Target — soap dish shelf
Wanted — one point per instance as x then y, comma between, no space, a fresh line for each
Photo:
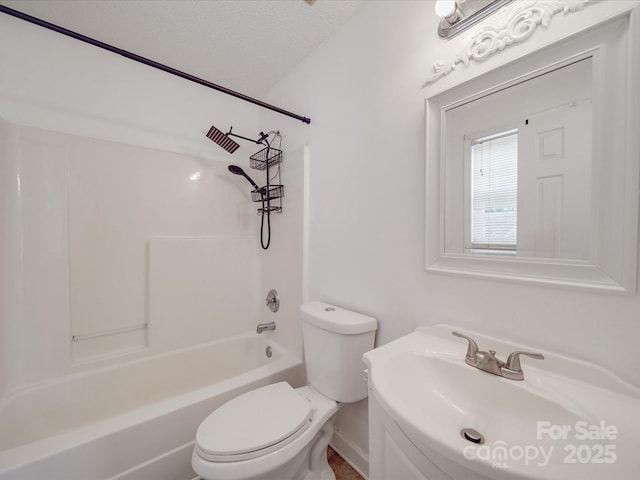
270,192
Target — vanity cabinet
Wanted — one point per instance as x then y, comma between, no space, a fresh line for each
393,455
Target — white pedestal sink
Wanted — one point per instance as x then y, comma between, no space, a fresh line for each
566,420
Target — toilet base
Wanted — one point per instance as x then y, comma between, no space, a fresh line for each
319,468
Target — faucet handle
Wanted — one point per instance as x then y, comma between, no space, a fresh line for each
472,348
513,361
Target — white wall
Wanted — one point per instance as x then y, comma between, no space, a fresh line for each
362,91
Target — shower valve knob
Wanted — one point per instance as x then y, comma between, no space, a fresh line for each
272,301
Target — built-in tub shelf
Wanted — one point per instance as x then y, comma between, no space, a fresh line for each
86,336
89,347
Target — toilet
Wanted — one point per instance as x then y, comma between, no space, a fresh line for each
278,432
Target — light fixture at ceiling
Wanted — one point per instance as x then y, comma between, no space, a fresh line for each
458,15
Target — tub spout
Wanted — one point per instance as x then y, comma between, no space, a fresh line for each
265,326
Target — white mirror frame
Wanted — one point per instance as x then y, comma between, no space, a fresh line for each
614,46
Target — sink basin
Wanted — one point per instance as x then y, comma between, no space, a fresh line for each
465,397
568,419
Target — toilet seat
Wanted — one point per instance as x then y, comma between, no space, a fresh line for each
254,424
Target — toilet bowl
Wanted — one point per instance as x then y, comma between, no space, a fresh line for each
268,436
278,432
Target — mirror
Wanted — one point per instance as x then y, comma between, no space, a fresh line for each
532,169
519,160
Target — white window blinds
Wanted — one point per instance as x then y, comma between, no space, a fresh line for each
494,191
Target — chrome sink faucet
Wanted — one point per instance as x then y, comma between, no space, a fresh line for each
488,362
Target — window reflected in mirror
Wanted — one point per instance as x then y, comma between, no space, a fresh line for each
493,196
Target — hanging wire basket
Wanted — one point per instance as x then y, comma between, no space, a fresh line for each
269,210
267,156
263,194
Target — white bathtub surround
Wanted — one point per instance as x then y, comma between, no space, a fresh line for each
103,162
64,428
283,266
109,265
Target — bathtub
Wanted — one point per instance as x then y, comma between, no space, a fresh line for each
135,420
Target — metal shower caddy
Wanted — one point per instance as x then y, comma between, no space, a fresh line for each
263,160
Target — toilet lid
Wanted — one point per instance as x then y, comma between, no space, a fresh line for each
252,422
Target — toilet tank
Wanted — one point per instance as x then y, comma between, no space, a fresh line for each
334,341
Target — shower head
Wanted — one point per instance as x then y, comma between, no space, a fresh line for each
222,139
236,170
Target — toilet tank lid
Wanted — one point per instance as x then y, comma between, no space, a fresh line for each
336,319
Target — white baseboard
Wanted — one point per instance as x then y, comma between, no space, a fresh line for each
351,453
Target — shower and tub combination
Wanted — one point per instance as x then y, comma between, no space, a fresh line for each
133,414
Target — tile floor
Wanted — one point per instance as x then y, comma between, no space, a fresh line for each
341,468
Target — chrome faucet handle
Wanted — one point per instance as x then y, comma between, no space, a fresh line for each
472,349
512,368
513,360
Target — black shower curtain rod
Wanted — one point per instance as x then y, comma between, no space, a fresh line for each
149,62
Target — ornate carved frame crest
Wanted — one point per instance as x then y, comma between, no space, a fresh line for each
511,24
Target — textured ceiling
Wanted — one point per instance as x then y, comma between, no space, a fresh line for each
244,45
